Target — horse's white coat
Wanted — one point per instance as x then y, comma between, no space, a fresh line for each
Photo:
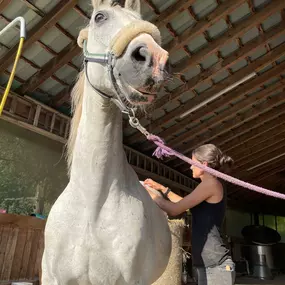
104,229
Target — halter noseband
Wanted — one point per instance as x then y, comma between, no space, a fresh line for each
117,47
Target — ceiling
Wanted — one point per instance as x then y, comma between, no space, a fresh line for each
213,44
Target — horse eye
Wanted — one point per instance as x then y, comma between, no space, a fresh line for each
100,17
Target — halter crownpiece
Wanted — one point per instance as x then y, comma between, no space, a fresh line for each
117,47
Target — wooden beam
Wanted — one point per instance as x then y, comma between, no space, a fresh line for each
48,21
50,68
33,128
230,35
225,100
239,75
249,119
172,11
271,127
242,149
60,98
261,176
190,34
248,150
4,4
268,152
252,175
206,75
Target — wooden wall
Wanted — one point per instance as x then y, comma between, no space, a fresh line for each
21,247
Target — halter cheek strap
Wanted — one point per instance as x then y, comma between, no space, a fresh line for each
117,47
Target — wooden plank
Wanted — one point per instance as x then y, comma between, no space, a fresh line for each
219,118
61,97
4,4
256,66
13,105
33,255
22,221
224,100
52,123
250,118
19,253
37,268
32,128
205,75
50,68
256,142
6,231
250,152
206,110
219,13
252,135
47,22
27,253
37,115
48,108
9,254
230,35
224,116
259,157
171,12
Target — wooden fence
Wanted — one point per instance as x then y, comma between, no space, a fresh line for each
21,248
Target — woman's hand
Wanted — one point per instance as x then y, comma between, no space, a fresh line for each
152,192
149,182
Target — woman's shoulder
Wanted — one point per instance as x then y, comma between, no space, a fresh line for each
213,184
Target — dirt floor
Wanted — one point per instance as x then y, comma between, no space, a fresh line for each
278,280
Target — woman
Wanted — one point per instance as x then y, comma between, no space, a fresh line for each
207,203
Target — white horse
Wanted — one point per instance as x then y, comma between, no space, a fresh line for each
104,229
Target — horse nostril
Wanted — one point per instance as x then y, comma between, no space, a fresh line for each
140,54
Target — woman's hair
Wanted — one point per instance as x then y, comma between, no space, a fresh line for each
214,157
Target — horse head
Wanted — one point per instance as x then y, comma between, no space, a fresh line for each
123,53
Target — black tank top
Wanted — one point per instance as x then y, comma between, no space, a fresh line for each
208,249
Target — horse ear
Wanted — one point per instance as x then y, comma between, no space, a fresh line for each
83,35
134,5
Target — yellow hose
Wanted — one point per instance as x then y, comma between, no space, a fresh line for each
7,90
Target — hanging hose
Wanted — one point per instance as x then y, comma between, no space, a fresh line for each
20,47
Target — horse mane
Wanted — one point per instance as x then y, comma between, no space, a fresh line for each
77,96
76,110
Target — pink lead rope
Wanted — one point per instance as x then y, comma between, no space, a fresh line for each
165,151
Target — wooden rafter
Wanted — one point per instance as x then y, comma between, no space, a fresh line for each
269,152
172,11
222,11
50,68
231,35
4,4
253,144
48,21
251,149
251,117
224,100
206,75
215,45
222,65
252,136
258,176
60,98
254,175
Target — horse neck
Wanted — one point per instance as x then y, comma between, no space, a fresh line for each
98,146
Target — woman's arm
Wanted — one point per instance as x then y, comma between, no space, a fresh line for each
201,193
170,195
